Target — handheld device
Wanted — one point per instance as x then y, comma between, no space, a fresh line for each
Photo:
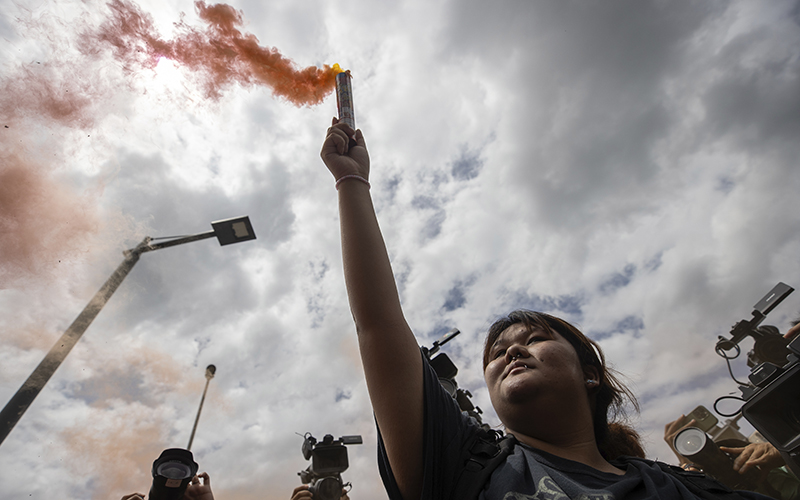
344,98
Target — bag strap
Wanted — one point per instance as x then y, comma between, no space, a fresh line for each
480,456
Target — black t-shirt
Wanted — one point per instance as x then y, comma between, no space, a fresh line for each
528,473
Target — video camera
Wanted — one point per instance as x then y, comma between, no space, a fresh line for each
328,461
172,473
697,446
772,395
447,371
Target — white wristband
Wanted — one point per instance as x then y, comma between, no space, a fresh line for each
351,176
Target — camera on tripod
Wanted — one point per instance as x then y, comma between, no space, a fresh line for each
447,371
172,472
328,461
772,395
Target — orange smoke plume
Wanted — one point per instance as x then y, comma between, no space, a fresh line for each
41,221
220,53
44,219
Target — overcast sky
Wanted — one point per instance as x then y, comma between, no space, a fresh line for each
629,166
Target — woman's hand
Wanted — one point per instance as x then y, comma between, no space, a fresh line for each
345,151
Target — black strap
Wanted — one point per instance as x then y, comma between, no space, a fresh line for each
480,456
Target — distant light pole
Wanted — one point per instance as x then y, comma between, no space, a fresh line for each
227,231
210,371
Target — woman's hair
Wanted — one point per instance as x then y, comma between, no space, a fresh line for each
614,438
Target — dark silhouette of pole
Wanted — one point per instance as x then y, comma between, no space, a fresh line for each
20,402
210,371
227,231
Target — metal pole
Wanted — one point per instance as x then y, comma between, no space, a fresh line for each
20,402
179,241
210,371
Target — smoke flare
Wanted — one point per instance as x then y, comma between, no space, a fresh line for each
44,220
220,54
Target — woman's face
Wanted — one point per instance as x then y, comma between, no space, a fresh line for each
532,366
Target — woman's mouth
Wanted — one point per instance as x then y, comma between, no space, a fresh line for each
517,367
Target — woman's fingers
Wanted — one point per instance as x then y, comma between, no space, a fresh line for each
360,139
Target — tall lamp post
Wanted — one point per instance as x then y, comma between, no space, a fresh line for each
210,371
227,231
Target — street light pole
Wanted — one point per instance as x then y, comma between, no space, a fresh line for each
227,231
210,371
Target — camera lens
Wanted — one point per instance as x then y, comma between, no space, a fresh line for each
449,386
771,348
690,441
174,470
328,488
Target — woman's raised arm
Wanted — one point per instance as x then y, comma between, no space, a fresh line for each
389,352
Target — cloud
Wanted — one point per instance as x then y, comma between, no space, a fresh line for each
628,166
467,166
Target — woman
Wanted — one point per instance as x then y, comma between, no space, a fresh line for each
548,383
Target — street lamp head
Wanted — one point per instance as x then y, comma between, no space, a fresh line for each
234,230
210,371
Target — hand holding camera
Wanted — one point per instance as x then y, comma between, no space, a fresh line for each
302,493
328,460
175,478
762,455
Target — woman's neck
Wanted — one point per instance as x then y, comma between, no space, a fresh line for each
581,449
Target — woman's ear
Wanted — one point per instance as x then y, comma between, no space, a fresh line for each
591,376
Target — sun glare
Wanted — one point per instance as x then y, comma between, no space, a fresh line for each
167,73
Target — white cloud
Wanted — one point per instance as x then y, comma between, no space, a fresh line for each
628,165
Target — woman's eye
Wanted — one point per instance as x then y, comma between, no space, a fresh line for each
499,353
534,339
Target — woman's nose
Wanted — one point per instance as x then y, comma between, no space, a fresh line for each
516,351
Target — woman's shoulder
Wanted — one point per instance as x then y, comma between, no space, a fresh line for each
699,484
